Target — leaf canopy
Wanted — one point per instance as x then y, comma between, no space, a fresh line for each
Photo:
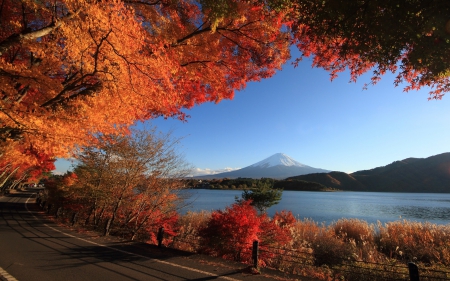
71,69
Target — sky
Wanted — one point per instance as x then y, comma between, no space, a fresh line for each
333,125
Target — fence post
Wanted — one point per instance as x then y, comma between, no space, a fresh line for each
160,236
58,212
74,218
255,254
413,272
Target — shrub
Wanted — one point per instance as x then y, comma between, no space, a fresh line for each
230,233
276,240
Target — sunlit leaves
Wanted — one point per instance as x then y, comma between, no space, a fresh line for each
132,180
70,69
408,38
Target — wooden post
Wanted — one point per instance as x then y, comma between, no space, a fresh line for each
74,218
160,236
58,212
255,254
413,272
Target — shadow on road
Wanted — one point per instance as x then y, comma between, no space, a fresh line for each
61,247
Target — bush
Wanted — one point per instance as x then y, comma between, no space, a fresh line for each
423,242
349,249
230,233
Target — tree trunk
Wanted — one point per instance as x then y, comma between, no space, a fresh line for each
114,213
136,229
6,179
100,216
107,227
91,211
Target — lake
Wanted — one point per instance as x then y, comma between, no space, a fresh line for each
327,207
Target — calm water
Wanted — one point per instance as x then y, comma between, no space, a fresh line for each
330,206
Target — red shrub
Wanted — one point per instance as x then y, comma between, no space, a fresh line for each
230,233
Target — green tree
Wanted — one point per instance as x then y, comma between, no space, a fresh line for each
263,195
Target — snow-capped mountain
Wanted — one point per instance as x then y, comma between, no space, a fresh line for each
277,166
276,160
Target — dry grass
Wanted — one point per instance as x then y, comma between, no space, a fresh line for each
350,249
415,241
354,230
187,238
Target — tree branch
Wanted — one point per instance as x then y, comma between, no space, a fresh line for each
15,39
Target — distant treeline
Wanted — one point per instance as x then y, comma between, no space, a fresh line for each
249,183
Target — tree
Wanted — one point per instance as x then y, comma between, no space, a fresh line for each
129,183
262,196
22,165
408,37
70,69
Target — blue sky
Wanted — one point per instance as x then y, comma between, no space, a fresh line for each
334,125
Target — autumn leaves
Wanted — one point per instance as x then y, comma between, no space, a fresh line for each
82,68
71,69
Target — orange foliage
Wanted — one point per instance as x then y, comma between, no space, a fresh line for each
408,38
73,68
70,69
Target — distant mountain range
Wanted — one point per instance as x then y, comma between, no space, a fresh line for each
277,166
430,174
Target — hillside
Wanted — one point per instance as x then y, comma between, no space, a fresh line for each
430,174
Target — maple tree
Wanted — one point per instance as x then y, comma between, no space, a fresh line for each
127,184
72,68
410,38
19,165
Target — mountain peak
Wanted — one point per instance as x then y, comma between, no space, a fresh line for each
278,159
277,166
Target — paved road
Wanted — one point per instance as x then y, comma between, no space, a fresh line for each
34,248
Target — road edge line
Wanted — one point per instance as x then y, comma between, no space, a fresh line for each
5,276
129,253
